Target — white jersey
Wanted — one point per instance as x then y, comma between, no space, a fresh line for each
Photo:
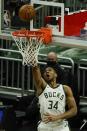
53,101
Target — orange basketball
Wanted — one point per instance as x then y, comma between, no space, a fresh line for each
27,12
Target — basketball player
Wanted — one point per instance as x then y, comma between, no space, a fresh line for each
65,76
53,99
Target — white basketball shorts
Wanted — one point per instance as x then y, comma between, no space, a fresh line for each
45,127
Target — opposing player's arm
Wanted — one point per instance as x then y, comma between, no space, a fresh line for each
40,84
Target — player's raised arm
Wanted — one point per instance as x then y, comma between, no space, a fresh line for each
40,84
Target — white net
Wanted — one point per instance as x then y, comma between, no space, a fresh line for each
29,48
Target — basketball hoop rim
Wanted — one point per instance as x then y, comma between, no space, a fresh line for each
27,33
43,34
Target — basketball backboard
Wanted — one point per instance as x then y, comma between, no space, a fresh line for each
48,13
45,10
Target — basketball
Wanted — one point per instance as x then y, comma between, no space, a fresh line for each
27,12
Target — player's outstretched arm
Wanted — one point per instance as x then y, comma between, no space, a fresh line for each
40,84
